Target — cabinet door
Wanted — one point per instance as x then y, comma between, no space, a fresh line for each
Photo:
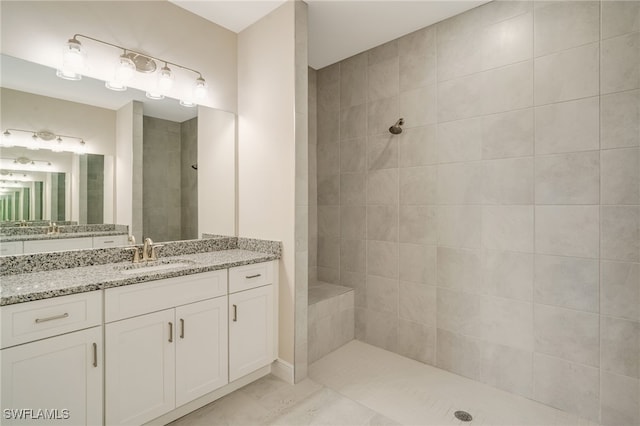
201,348
250,331
59,373
140,368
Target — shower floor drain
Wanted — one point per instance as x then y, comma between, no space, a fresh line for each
463,415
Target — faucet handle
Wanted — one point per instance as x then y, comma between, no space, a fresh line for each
132,240
154,255
136,253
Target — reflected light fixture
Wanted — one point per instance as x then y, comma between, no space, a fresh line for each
128,63
42,135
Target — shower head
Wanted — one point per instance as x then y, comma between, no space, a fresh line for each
396,129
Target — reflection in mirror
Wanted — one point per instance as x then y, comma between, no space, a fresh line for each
139,164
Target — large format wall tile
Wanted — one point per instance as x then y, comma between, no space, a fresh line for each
568,282
620,170
562,25
567,334
508,134
620,289
417,303
460,140
507,274
568,178
620,399
620,119
353,81
567,126
418,147
507,368
460,226
417,341
570,74
508,181
508,228
418,263
567,230
458,354
620,67
567,386
620,17
417,224
418,185
620,233
459,269
620,346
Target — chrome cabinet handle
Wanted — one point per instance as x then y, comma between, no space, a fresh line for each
95,354
55,317
170,332
253,276
235,313
108,242
181,328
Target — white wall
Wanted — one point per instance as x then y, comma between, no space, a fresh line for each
27,111
37,31
266,148
216,172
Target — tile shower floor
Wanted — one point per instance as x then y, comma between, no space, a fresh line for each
359,384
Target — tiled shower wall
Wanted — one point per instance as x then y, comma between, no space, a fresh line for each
498,236
169,183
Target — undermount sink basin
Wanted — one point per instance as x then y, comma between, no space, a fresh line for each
154,266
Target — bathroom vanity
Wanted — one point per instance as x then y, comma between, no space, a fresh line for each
120,343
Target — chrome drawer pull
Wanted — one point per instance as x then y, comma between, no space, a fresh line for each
235,313
253,276
55,317
170,332
95,354
181,328
110,241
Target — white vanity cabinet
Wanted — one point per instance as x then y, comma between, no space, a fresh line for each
166,345
251,318
10,248
57,244
110,241
51,358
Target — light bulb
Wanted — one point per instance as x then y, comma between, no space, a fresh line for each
165,79
200,88
188,104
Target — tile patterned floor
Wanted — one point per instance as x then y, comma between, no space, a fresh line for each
359,384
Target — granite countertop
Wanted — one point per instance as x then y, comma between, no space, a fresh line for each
26,287
31,237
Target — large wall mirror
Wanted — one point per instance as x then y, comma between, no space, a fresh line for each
176,155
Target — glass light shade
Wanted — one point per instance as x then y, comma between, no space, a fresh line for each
200,88
72,61
68,75
73,55
165,79
126,69
155,96
115,85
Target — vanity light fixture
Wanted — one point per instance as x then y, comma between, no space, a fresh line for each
128,63
43,135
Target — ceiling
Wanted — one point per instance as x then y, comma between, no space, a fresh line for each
338,29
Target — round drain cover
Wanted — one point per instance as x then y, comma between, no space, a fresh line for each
463,415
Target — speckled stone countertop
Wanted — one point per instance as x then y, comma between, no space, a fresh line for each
65,235
26,287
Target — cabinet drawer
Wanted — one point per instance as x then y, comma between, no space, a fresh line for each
139,299
58,244
250,276
29,321
10,247
110,241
